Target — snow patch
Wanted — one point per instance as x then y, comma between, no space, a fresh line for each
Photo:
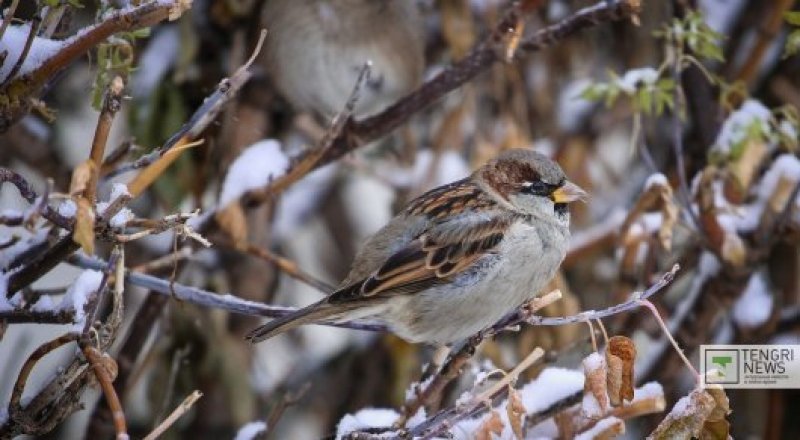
735,129
255,167
367,418
656,179
785,166
68,208
647,391
597,429
13,42
250,430
24,241
634,78
44,304
78,295
754,307
552,385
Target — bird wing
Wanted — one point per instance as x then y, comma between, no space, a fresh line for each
456,237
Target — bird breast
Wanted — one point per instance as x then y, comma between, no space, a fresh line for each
528,257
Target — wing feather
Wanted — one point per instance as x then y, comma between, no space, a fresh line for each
454,240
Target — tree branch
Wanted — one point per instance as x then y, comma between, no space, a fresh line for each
480,59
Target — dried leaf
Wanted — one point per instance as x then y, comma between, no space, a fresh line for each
565,424
232,220
614,379
515,411
84,226
743,169
780,197
733,249
718,430
669,210
81,177
623,348
687,418
716,426
178,8
458,29
492,425
595,399
658,196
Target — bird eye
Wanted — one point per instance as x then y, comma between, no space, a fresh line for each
537,188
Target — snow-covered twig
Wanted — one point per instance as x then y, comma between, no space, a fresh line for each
34,28
206,298
22,420
28,85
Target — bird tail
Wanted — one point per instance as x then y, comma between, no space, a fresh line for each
313,313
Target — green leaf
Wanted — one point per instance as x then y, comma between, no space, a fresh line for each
792,17
792,44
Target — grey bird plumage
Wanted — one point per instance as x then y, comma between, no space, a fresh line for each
459,257
315,50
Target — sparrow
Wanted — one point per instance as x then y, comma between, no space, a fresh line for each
315,50
459,257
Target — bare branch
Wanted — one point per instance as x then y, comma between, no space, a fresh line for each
27,192
175,415
480,59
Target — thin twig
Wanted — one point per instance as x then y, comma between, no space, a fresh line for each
112,103
7,18
207,298
647,304
518,317
177,359
202,117
185,406
22,316
290,268
27,192
97,300
288,399
312,159
25,50
477,404
98,362
14,406
677,145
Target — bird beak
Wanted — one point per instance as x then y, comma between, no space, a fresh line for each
569,192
